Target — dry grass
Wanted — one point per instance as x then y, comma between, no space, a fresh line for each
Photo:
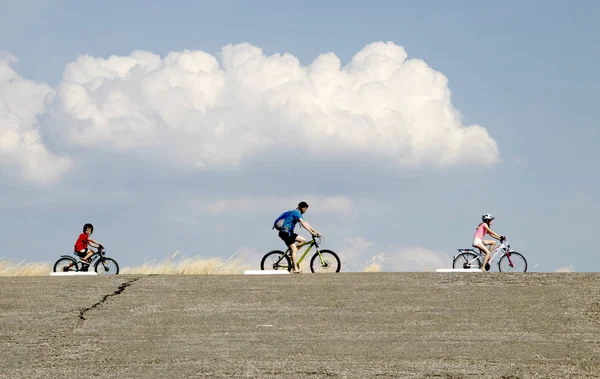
190,266
375,264
175,265
565,269
24,268
185,266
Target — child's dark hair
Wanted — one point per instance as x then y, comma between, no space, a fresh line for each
88,226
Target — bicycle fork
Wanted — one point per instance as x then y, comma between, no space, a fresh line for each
510,263
324,263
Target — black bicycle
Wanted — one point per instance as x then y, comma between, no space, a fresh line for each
101,263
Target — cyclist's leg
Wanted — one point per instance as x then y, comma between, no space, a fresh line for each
299,240
294,250
290,241
478,243
90,252
80,254
490,244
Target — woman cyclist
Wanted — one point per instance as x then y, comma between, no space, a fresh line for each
478,241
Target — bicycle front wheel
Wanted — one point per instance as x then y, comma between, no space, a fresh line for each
325,261
65,265
512,262
466,260
107,266
276,260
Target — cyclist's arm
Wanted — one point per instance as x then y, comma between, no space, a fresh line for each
93,242
306,226
491,232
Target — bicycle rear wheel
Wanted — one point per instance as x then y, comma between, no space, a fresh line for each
107,266
328,261
518,261
65,265
276,260
466,260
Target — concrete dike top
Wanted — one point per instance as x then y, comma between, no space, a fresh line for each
347,325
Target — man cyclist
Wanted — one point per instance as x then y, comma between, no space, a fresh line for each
290,238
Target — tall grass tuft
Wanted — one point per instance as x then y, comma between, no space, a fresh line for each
24,268
375,264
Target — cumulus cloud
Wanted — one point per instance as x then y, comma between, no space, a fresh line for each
359,254
198,110
416,258
194,110
22,152
354,253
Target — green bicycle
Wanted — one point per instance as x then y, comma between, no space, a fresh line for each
322,261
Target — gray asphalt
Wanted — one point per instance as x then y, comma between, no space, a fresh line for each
349,325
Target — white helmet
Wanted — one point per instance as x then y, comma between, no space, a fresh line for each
487,217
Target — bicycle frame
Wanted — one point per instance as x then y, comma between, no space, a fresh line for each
79,263
504,246
493,252
310,244
313,242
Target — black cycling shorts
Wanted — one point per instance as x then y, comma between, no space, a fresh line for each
288,238
79,254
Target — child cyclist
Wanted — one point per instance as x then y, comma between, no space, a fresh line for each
81,246
478,241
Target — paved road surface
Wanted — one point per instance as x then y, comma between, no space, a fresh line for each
352,325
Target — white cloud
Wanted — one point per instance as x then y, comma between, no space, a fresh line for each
356,246
193,110
22,151
359,254
416,258
354,253
196,110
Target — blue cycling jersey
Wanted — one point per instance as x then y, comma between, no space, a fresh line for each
291,220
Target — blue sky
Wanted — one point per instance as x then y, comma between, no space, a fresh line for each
525,71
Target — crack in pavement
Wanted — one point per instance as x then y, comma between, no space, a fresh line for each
119,291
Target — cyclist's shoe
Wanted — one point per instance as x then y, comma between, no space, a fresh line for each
487,267
66,268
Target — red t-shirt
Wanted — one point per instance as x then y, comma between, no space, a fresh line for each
82,242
